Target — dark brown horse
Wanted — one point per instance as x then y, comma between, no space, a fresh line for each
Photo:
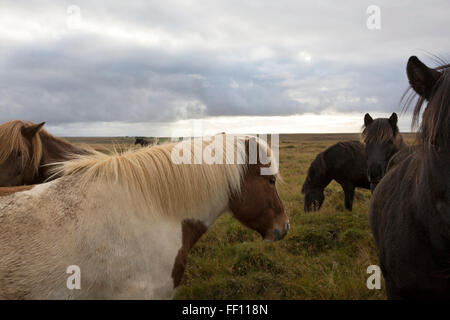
26,149
142,141
382,140
344,162
410,208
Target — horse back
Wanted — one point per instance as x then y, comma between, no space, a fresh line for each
347,163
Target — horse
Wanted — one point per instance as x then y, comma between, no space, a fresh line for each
345,162
410,209
26,149
142,141
127,221
382,140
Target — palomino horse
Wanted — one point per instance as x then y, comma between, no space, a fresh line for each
410,208
344,162
25,149
382,140
128,221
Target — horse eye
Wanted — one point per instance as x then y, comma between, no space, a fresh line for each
391,141
272,180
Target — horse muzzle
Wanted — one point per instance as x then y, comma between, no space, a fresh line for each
277,234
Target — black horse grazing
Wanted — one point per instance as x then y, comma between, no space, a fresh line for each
382,140
142,141
344,162
410,208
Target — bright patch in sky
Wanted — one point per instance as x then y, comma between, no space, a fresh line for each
307,123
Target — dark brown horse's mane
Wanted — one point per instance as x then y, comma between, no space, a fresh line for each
435,126
424,170
317,168
381,131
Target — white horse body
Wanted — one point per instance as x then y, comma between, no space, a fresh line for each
127,221
122,253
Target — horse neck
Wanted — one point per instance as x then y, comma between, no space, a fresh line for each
54,150
437,137
435,127
322,175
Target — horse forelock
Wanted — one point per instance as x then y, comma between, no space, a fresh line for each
13,142
381,131
150,178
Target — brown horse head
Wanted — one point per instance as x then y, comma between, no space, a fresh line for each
26,150
313,200
258,205
20,152
381,139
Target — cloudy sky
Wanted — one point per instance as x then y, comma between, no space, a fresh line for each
149,67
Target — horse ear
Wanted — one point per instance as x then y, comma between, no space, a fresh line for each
367,119
421,78
30,131
393,119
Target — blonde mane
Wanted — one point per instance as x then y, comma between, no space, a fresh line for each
150,178
12,142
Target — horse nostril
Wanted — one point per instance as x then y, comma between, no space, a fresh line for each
287,226
276,234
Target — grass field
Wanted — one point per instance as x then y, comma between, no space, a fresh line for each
324,256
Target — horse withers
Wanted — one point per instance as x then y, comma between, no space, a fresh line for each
25,151
410,208
345,162
382,140
127,221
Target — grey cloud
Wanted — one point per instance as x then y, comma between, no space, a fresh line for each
219,59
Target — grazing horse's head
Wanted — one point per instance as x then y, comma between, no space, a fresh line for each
258,205
313,200
382,140
20,152
313,192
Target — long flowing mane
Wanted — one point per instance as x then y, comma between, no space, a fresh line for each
148,176
12,142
